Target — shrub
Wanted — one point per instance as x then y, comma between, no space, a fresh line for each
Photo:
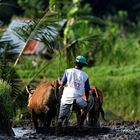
5,97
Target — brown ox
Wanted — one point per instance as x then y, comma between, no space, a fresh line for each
43,102
95,108
94,113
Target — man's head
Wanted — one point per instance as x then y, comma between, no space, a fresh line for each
80,61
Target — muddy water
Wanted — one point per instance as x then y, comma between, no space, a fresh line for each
22,132
120,130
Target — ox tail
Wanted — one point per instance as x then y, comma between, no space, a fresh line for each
102,111
100,105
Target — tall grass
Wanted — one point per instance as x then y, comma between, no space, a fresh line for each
121,90
120,86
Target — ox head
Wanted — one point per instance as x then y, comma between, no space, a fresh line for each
49,87
58,91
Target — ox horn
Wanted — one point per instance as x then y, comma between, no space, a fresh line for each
27,90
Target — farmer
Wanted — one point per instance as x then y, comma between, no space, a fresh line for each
75,83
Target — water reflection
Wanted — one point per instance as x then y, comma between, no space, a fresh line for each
20,131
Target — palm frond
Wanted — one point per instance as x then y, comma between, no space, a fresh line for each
48,25
72,49
82,40
9,50
93,20
33,28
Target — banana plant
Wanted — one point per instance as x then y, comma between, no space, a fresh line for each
78,31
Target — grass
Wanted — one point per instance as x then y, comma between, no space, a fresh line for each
116,71
120,86
121,90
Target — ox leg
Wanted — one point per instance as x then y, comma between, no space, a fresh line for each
96,119
78,115
35,119
47,122
83,117
49,116
90,118
93,116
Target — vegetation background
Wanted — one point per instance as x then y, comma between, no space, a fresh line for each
105,32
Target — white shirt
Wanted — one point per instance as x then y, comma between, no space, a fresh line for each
75,85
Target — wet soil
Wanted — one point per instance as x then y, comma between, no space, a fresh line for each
113,130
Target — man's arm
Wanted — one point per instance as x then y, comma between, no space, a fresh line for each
63,80
87,89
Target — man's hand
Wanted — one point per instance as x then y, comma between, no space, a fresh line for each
61,87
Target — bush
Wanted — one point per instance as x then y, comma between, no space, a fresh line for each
5,97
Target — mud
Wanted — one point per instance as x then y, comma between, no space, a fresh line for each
113,130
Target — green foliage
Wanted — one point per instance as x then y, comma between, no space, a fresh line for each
117,46
10,82
43,70
57,26
32,8
7,72
8,8
120,86
5,97
80,21
114,68
8,51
